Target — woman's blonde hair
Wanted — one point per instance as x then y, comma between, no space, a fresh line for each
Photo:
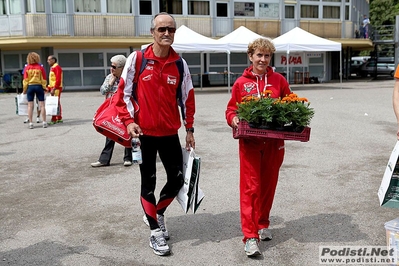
263,44
33,58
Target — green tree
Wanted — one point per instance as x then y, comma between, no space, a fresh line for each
383,12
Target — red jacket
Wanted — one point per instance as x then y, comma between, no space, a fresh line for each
55,77
157,112
34,74
252,84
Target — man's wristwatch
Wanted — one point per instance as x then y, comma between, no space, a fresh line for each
191,129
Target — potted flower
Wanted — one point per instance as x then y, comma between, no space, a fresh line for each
293,112
289,113
258,112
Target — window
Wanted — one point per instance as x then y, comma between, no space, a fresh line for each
71,77
93,77
28,8
3,7
244,9
308,11
221,10
15,6
69,59
93,6
39,6
289,12
171,6
331,12
119,6
11,60
23,59
198,7
347,12
58,6
268,10
145,7
93,60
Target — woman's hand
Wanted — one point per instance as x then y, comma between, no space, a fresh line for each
234,122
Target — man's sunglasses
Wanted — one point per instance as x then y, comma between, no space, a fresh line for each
114,67
164,29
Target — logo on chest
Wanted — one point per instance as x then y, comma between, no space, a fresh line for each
171,80
249,86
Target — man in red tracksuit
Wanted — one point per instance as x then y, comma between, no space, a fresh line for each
260,159
155,119
55,85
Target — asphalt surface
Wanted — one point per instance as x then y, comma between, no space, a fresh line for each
55,209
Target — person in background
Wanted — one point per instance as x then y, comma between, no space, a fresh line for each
260,159
37,113
37,103
366,23
34,83
110,85
396,98
155,119
55,85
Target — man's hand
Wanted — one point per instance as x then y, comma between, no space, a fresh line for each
190,141
134,130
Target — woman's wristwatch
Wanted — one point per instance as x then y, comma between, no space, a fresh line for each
190,129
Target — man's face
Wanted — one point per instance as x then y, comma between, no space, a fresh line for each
164,31
50,61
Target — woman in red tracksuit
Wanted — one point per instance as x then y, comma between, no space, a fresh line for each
260,159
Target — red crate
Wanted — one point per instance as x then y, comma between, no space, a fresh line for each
245,131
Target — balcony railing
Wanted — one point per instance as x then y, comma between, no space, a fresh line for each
38,25
383,34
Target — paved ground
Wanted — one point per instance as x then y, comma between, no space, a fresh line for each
57,210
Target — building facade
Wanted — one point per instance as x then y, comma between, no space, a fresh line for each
85,34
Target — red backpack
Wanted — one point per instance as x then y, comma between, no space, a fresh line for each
106,119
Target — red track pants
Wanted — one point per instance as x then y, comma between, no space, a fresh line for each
56,118
260,161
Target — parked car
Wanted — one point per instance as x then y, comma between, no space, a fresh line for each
368,68
355,66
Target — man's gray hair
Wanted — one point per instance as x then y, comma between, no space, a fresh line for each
119,60
162,13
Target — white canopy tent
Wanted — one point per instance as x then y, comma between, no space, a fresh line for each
189,41
237,41
299,40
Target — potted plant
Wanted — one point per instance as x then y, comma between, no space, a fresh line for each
293,112
289,113
258,112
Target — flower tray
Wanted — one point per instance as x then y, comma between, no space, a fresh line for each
245,131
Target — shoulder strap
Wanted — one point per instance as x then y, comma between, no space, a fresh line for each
141,62
139,67
180,67
179,64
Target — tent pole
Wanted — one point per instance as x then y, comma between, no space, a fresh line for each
340,66
228,72
288,68
202,65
